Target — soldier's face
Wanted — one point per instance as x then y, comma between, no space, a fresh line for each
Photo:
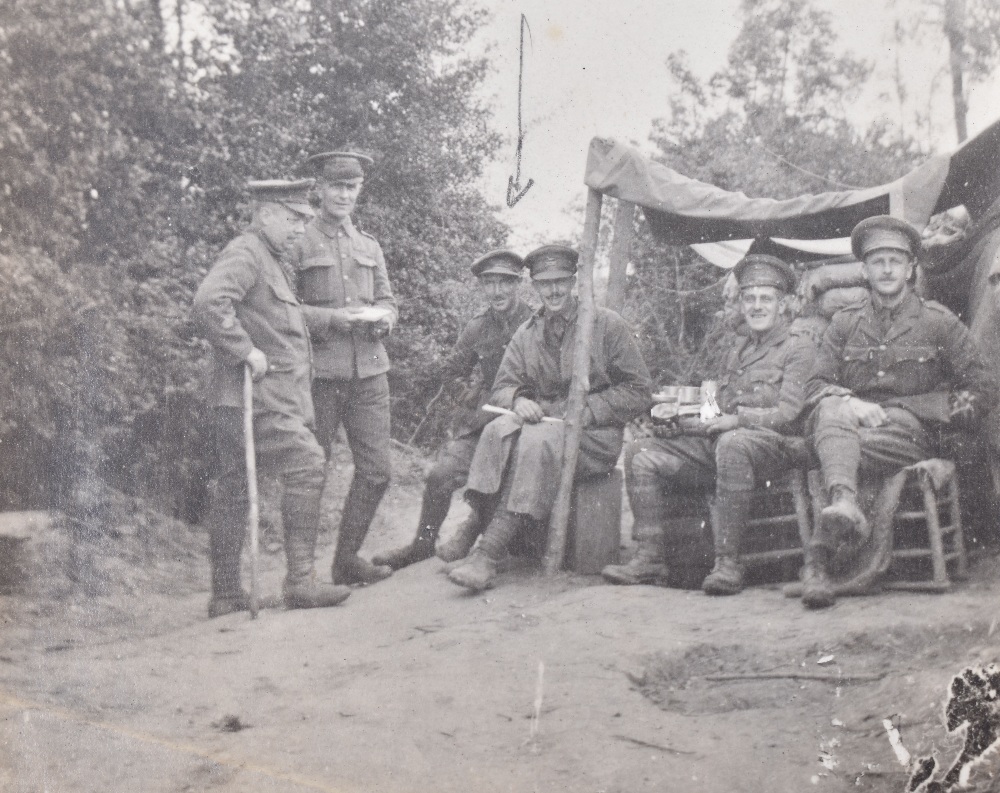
499,290
761,307
281,225
337,199
887,271
555,292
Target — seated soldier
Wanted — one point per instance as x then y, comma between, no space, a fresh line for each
481,342
518,461
761,395
891,370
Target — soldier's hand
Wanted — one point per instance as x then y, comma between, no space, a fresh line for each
528,410
258,363
381,328
341,320
963,408
691,425
870,414
640,428
720,424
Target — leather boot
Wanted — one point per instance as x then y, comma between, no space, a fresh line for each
730,512
817,589
301,590
221,606
726,577
460,543
420,548
843,517
226,529
359,508
647,566
433,510
479,570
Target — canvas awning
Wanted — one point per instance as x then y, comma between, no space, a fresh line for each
722,225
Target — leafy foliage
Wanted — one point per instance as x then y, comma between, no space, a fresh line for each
771,123
128,129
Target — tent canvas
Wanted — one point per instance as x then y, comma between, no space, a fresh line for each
721,225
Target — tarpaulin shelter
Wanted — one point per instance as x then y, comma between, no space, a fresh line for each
722,226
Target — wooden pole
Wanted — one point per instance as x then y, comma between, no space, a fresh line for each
579,386
621,247
253,516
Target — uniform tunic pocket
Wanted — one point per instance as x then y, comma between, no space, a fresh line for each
365,276
317,280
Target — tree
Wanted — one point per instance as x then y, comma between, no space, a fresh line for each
129,128
972,30
772,123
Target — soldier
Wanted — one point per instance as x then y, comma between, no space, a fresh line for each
891,370
247,310
518,459
341,278
761,395
482,342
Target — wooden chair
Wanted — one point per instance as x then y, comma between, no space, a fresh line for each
929,487
904,513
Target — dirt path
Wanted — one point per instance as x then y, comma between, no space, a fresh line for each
415,686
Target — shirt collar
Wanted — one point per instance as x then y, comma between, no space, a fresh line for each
910,304
331,227
568,316
259,234
771,336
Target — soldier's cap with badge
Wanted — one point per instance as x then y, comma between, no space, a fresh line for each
500,262
884,231
551,262
339,166
293,195
762,269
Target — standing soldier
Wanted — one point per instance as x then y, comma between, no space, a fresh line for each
761,394
247,310
891,370
482,342
342,279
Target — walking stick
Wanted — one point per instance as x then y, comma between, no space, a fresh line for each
253,516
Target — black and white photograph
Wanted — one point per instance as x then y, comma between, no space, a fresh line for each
437,396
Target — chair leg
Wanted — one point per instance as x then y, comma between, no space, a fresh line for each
799,490
934,530
961,559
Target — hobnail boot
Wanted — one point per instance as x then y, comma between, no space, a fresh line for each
479,572
726,577
843,517
422,547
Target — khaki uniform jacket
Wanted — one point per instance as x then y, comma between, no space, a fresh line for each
537,367
482,342
764,382
912,357
246,301
341,267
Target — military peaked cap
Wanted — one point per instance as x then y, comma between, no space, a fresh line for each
884,231
762,269
501,262
551,261
291,194
339,166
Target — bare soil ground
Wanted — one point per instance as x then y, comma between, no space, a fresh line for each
542,684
